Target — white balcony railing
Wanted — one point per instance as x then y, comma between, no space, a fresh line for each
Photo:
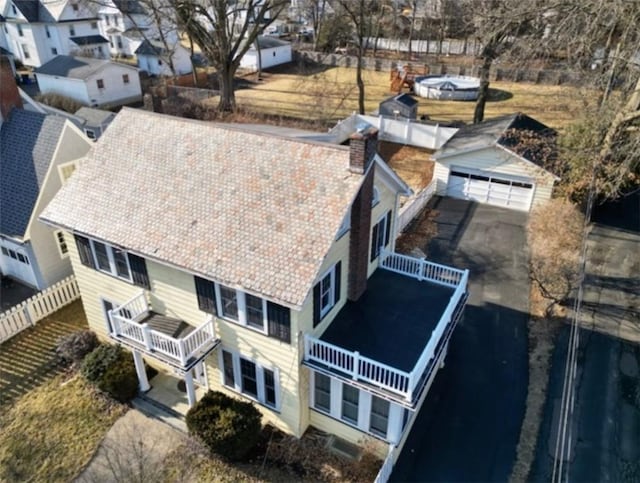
361,368
126,325
421,269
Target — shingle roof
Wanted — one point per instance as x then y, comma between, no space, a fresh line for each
246,209
150,48
489,133
94,116
129,6
29,9
89,40
268,42
27,145
74,67
406,99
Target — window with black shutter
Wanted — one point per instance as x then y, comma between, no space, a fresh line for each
380,235
84,251
326,293
206,292
139,271
279,322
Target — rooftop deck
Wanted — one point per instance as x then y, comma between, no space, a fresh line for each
393,321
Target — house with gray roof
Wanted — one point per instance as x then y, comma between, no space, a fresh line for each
261,265
92,82
38,153
38,30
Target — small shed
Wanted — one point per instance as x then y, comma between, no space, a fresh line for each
153,58
273,51
402,105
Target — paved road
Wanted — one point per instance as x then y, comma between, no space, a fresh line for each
469,426
606,427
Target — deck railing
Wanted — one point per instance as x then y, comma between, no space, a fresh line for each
421,269
414,206
387,466
361,368
125,323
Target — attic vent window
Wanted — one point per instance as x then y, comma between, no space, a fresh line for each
75,7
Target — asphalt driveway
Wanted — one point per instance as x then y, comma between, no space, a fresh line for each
469,425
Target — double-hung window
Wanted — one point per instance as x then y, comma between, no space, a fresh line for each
350,400
245,309
322,392
380,235
113,261
379,420
326,293
250,378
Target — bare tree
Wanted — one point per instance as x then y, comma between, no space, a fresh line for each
316,11
361,15
225,30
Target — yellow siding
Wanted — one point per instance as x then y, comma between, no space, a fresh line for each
348,433
173,293
497,161
51,265
387,202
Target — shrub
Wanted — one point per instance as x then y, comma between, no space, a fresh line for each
227,426
112,370
59,102
74,347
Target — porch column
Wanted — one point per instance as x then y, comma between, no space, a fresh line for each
143,382
191,391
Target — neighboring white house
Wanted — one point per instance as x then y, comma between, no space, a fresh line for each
37,153
38,30
481,163
154,58
127,23
93,82
273,51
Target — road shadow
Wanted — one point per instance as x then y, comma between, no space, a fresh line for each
453,220
623,214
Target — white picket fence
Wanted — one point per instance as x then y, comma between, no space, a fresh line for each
414,206
36,308
387,466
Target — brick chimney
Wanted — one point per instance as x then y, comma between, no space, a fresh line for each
9,94
363,147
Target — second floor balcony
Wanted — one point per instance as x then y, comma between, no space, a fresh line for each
394,338
166,338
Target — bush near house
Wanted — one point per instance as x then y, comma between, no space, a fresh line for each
111,370
59,102
73,348
227,426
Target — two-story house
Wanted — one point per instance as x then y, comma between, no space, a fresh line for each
38,30
37,155
261,266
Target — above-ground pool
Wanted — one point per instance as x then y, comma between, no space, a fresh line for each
447,87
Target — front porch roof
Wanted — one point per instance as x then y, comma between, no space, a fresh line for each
393,320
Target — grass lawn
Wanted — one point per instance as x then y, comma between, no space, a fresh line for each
331,95
28,359
51,433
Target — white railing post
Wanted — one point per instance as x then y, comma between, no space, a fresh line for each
146,335
356,365
115,323
307,351
181,352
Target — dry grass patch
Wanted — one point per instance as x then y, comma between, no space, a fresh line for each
421,230
412,164
51,433
332,95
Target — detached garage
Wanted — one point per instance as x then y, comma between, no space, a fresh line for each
481,163
273,51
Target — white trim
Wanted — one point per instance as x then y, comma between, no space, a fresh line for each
62,167
392,176
236,357
111,258
241,302
332,284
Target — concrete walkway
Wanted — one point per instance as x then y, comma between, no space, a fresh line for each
132,450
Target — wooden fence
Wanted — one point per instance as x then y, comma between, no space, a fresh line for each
36,308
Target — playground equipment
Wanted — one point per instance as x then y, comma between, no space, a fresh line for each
405,76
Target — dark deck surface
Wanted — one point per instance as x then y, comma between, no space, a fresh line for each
170,326
392,322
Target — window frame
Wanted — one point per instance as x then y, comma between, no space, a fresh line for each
236,359
61,243
20,31
373,414
331,302
125,79
380,233
47,31
54,51
110,252
241,304
72,30
25,51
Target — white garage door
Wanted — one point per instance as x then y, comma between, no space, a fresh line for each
15,263
485,187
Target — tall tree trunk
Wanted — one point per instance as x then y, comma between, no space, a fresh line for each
483,91
227,101
359,79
